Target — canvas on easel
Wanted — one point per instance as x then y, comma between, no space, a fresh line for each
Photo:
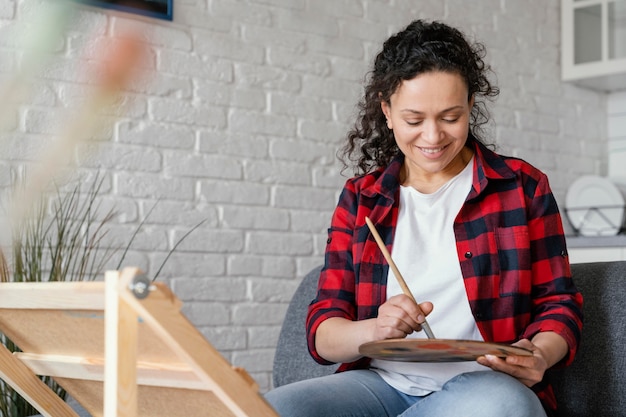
121,348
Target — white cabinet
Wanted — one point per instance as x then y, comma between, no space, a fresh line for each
593,43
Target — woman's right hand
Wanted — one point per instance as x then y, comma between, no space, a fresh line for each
338,339
399,316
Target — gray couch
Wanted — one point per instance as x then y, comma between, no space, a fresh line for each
595,384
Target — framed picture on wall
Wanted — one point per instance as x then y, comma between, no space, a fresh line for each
161,9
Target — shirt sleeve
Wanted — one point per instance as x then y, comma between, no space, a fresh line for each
336,288
557,304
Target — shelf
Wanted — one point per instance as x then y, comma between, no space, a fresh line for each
595,242
596,249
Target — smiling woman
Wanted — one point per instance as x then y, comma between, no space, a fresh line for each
162,9
477,234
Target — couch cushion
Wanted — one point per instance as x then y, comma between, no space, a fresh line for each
595,384
292,361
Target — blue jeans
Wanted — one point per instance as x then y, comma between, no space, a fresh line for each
362,393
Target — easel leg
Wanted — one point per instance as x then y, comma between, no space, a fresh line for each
120,366
29,386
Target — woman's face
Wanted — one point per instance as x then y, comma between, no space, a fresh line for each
429,116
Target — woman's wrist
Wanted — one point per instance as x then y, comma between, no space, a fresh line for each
553,347
338,339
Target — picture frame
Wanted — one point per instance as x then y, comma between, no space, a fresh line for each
160,9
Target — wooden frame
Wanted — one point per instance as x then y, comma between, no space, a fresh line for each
119,347
160,9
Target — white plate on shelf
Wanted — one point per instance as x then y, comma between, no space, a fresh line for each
595,206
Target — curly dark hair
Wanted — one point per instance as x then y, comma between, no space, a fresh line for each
421,47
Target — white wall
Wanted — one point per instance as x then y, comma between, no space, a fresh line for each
237,117
617,135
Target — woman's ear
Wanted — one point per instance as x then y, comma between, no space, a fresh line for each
386,108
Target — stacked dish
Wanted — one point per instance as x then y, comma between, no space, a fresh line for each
595,206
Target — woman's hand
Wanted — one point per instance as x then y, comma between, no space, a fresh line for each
399,316
338,339
547,349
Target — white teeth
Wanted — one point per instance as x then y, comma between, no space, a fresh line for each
431,150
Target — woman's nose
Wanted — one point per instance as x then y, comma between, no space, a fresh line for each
432,131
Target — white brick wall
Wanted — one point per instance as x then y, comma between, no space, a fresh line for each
236,119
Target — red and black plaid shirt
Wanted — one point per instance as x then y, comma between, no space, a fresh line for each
510,245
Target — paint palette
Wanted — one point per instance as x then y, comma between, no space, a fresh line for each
436,350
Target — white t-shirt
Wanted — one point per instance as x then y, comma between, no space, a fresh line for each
424,250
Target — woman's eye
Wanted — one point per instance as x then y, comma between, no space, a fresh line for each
413,122
451,120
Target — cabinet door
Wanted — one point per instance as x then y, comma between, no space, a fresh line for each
593,47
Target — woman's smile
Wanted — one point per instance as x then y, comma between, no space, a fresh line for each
431,152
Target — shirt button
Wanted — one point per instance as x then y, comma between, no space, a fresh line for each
468,254
563,254
329,240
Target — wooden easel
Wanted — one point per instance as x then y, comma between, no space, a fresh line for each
119,347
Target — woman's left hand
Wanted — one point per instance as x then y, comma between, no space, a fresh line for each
548,349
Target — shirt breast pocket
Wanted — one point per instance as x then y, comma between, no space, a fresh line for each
515,264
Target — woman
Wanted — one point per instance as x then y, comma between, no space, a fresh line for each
477,236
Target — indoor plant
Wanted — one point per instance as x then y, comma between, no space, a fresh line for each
62,239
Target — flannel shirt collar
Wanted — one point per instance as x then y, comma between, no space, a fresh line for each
387,182
487,166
